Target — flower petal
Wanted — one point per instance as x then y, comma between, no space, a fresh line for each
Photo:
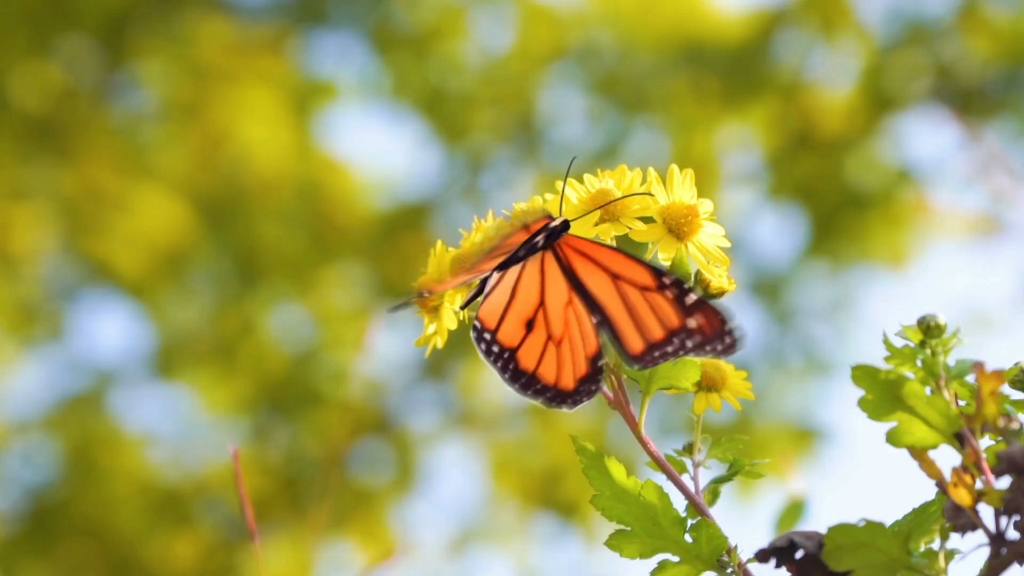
657,187
650,233
705,205
712,228
673,183
700,403
688,186
715,400
731,400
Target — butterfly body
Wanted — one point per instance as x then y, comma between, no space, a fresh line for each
546,297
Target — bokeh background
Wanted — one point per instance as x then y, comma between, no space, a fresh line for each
206,207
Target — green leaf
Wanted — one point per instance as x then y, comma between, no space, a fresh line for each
910,333
680,266
922,421
738,468
790,515
866,548
708,543
950,341
903,358
724,449
920,527
678,464
933,409
707,547
675,568
741,467
960,369
679,375
653,525
712,492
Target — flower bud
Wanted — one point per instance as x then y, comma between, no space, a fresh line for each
1015,376
715,286
932,326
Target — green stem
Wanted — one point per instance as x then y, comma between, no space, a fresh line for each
697,449
645,400
615,394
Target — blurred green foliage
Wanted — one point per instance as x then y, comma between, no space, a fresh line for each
168,149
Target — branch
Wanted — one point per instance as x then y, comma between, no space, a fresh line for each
619,401
247,510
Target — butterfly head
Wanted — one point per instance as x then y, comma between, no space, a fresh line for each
561,224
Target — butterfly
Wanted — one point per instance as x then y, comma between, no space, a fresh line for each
546,297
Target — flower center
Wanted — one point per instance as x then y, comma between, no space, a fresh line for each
603,195
682,220
714,375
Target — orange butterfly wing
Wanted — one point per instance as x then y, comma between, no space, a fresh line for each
534,328
651,314
490,259
546,296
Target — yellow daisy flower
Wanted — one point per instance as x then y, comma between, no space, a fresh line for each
440,312
613,220
536,207
483,235
720,380
683,222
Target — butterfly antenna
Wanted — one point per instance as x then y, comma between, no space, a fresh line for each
591,211
561,199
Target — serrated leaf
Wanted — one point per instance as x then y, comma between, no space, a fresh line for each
652,524
910,333
674,568
712,493
738,467
866,548
677,464
933,409
691,513
724,449
960,369
922,421
903,358
950,341
680,375
920,527
751,474
790,515
633,544
709,543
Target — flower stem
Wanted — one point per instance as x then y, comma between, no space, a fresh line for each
695,457
615,394
645,400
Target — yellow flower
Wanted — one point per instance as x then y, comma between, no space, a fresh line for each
616,218
989,395
440,311
715,285
536,207
961,488
484,234
683,222
720,380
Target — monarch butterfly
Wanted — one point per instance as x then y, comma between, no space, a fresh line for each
546,295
